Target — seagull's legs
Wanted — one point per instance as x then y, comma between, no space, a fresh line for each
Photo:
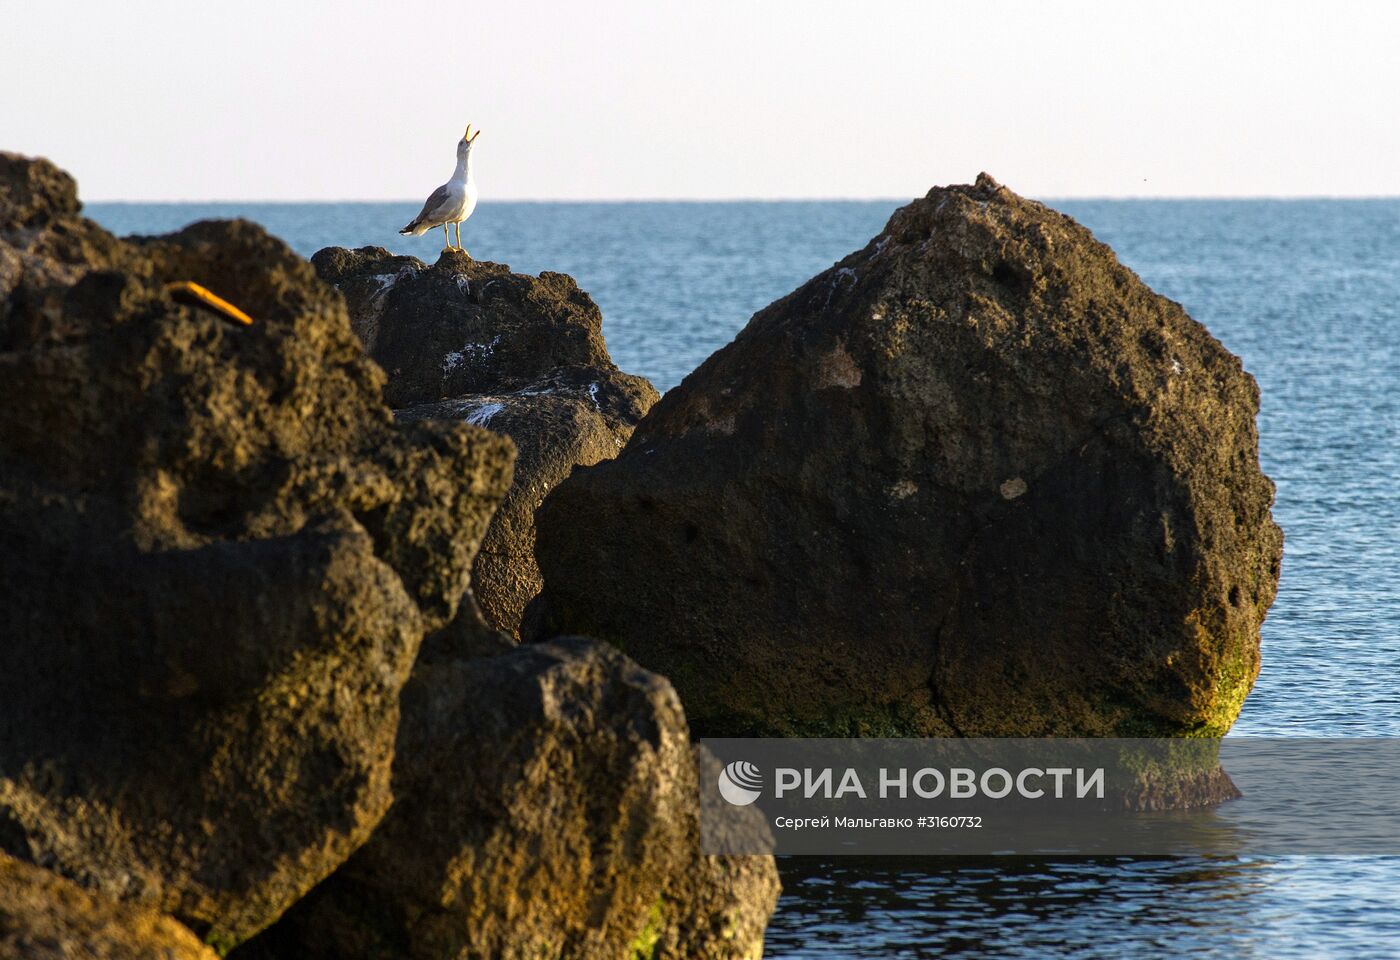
459,234
446,238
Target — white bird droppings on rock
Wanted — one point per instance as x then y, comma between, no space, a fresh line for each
470,351
386,281
841,276
383,283
481,415
1013,488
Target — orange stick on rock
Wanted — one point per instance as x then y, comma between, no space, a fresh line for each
206,298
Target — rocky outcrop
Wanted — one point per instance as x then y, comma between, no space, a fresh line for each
976,479
45,917
523,356
461,326
546,806
226,555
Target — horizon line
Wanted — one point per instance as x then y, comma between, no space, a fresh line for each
760,199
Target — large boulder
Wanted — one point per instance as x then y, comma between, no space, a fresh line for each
220,556
465,340
975,479
46,917
546,805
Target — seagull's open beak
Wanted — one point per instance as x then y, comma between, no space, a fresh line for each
468,135
474,136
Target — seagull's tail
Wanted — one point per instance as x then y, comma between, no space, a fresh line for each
414,229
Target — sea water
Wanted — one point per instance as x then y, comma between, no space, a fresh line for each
1307,292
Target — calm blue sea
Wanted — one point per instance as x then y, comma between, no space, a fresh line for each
1307,292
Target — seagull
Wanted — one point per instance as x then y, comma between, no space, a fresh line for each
452,202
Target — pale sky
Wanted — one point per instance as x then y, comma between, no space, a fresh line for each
706,99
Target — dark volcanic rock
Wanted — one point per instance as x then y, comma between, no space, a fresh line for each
974,479
462,326
578,416
220,555
46,248
545,806
45,917
33,193
521,355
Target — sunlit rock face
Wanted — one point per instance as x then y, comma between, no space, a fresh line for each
46,917
219,555
546,804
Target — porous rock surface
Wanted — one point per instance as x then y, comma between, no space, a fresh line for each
546,806
219,554
523,356
719,907
46,917
975,479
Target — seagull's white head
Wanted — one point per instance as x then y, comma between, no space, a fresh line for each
464,146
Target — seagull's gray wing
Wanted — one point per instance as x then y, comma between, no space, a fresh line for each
431,207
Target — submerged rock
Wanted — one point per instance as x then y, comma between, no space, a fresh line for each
546,805
45,917
976,479
524,356
228,554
